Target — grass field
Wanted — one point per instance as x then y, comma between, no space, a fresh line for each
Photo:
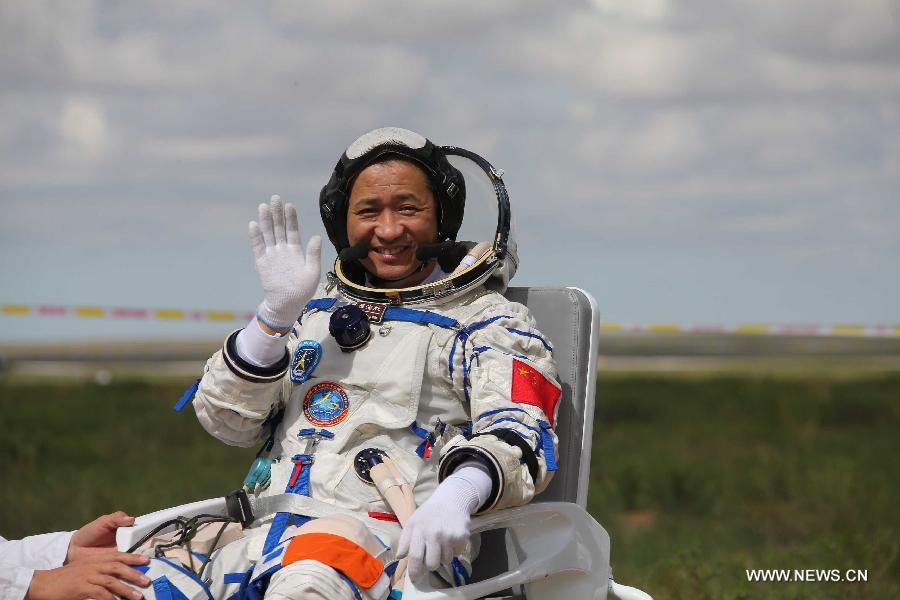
696,479
699,479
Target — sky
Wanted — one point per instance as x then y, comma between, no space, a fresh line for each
690,162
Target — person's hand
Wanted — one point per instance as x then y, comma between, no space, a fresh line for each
288,275
98,577
439,529
98,536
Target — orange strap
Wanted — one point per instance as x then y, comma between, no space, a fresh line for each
337,552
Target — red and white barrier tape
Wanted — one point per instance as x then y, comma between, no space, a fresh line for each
841,330
100,312
174,314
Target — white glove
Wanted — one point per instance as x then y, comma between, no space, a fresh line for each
439,529
288,276
258,347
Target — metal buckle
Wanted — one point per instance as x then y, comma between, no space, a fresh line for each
238,507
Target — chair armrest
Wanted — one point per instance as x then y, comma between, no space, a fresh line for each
561,552
126,537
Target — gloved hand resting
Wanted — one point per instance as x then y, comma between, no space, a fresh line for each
439,529
288,276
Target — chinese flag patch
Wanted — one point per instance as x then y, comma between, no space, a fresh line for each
530,387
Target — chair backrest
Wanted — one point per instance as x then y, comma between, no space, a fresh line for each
569,318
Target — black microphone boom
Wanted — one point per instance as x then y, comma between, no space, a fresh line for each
353,253
430,251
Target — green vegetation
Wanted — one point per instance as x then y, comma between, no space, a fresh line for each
696,479
70,451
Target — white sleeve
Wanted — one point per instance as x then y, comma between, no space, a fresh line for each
14,581
20,558
235,397
44,551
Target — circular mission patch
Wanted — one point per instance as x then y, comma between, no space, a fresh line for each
326,404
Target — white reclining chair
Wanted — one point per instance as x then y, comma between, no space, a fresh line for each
551,548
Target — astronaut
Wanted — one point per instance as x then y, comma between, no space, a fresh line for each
407,356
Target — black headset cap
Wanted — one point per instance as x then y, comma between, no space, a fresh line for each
447,183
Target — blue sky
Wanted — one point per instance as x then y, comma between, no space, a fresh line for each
693,162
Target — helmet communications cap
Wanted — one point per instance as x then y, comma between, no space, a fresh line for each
447,183
457,177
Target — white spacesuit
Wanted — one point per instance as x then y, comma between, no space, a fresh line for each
450,373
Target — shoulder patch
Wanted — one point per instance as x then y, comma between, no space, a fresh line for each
529,386
306,358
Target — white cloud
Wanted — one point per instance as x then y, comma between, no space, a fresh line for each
826,29
665,141
645,124
638,10
214,148
639,51
408,21
84,129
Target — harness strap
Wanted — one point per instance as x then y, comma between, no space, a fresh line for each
186,397
263,506
297,484
412,315
163,589
423,449
394,313
237,577
321,303
169,587
460,575
547,442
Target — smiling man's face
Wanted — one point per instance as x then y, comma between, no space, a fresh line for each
393,211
